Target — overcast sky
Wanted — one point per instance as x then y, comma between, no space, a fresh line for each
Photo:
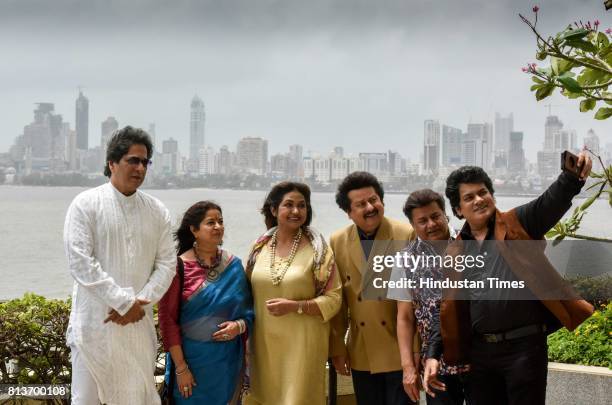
364,74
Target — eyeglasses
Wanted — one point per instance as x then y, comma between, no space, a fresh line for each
135,161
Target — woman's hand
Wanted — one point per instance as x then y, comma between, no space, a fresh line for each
410,381
281,306
186,383
227,331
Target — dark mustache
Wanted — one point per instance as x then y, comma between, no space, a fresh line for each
374,211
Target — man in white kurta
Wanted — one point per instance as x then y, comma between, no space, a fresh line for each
121,255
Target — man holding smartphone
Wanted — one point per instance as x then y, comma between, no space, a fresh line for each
503,338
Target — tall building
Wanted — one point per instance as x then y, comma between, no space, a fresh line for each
44,140
431,143
206,161
223,161
503,127
153,135
196,128
552,128
170,157
107,127
451,146
252,155
477,148
516,154
591,141
82,121
71,149
297,154
394,163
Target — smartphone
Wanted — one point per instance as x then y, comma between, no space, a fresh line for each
569,163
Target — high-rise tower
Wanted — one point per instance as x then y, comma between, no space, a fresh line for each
196,132
82,121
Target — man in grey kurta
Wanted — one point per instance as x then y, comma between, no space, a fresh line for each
120,252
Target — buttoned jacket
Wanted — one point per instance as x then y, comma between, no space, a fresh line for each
371,323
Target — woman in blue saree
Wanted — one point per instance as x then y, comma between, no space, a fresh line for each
206,313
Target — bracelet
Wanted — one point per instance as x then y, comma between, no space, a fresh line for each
183,371
307,305
241,326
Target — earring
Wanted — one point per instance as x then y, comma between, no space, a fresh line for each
195,244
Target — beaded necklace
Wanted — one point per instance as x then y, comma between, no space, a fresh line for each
212,274
277,277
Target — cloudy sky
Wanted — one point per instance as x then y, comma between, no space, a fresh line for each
361,73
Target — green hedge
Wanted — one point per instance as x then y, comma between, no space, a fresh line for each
590,344
33,333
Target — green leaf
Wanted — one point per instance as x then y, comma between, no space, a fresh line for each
570,84
544,92
571,34
602,39
571,95
588,202
596,175
580,44
560,66
587,104
610,198
545,71
536,86
602,114
536,79
590,76
541,55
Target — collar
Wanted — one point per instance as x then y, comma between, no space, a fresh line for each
466,231
363,236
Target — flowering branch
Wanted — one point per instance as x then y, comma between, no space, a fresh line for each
580,64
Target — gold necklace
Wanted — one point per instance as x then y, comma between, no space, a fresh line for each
277,277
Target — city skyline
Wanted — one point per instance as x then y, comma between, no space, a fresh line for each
322,73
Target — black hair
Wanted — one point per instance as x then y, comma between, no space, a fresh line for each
463,175
193,217
120,143
275,197
422,198
355,181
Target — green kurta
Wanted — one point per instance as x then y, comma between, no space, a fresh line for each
288,353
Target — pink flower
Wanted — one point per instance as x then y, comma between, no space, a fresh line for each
536,9
596,22
609,31
533,66
525,70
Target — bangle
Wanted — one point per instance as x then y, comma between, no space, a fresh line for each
307,305
241,326
183,371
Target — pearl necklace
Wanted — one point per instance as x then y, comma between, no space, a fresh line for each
277,277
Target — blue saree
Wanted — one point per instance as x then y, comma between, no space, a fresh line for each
217,367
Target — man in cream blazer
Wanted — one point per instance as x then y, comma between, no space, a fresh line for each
372,355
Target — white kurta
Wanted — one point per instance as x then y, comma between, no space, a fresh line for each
119,248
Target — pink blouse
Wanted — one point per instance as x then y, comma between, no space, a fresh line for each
168,310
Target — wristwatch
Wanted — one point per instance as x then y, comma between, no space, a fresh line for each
300,310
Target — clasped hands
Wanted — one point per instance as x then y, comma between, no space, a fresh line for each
281,306
133,315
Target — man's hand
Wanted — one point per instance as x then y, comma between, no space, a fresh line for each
410,381
342,364
585,163
135,313
430,380
281,306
